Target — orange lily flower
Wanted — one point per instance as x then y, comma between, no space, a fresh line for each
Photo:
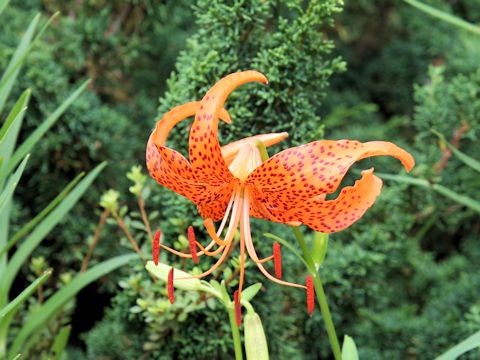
233,183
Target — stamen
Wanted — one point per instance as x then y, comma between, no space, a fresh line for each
245,229
210,253
238,308
277,259
208,223
264,260
193,245
310,295
156,247
171,289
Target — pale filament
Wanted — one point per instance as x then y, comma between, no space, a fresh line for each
245,229
234,221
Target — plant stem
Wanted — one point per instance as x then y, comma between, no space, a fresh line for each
141,206
237,344
129,236
96,237
320,294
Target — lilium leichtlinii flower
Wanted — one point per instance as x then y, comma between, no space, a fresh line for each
233,183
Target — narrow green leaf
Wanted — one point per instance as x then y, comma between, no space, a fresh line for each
405,179
7,193
13,305
467,160
452,195
55,303
60,342
27,145
349,349
466,345
458,198
32,223
451,19
319,248
13,68
17,357
15,114
11,73
3,5
256,347
249,293
42,230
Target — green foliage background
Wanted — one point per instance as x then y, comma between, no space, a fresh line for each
402,281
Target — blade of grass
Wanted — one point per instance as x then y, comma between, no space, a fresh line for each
468,344
61,297
15,114
452,195
451,19
60,342
42,230
13,305
11,73
13,68
32,223
27,145
7,193
467,160
3,5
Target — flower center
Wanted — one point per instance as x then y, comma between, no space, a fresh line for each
247,159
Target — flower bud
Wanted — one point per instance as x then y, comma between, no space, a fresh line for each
256,346
181,280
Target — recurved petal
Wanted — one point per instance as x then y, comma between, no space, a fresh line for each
174,116
204,148
329,216
216,201
300,173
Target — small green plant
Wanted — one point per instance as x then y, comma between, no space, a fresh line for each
16,249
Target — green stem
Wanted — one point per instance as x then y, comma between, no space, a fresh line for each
321,297
237,344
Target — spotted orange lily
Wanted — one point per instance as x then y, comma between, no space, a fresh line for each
234,182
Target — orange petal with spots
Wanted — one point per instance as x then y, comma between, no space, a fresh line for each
204,148
231,150
329,216
303,172
217,201
169,167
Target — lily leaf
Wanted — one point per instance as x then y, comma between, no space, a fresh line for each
250,292
467,160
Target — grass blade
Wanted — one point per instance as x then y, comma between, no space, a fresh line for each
42,230
451,19
11,73
12,306
32,223
13,68
15,114
27,145
61,297
3,5
468,344
7,193
452,195
60,342
467,160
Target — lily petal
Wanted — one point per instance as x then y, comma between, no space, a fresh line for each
204,148
300,173
169,167
329,216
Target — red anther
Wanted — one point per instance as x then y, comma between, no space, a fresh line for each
193,244
238,308
277,260
156,247
171,289
310,295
